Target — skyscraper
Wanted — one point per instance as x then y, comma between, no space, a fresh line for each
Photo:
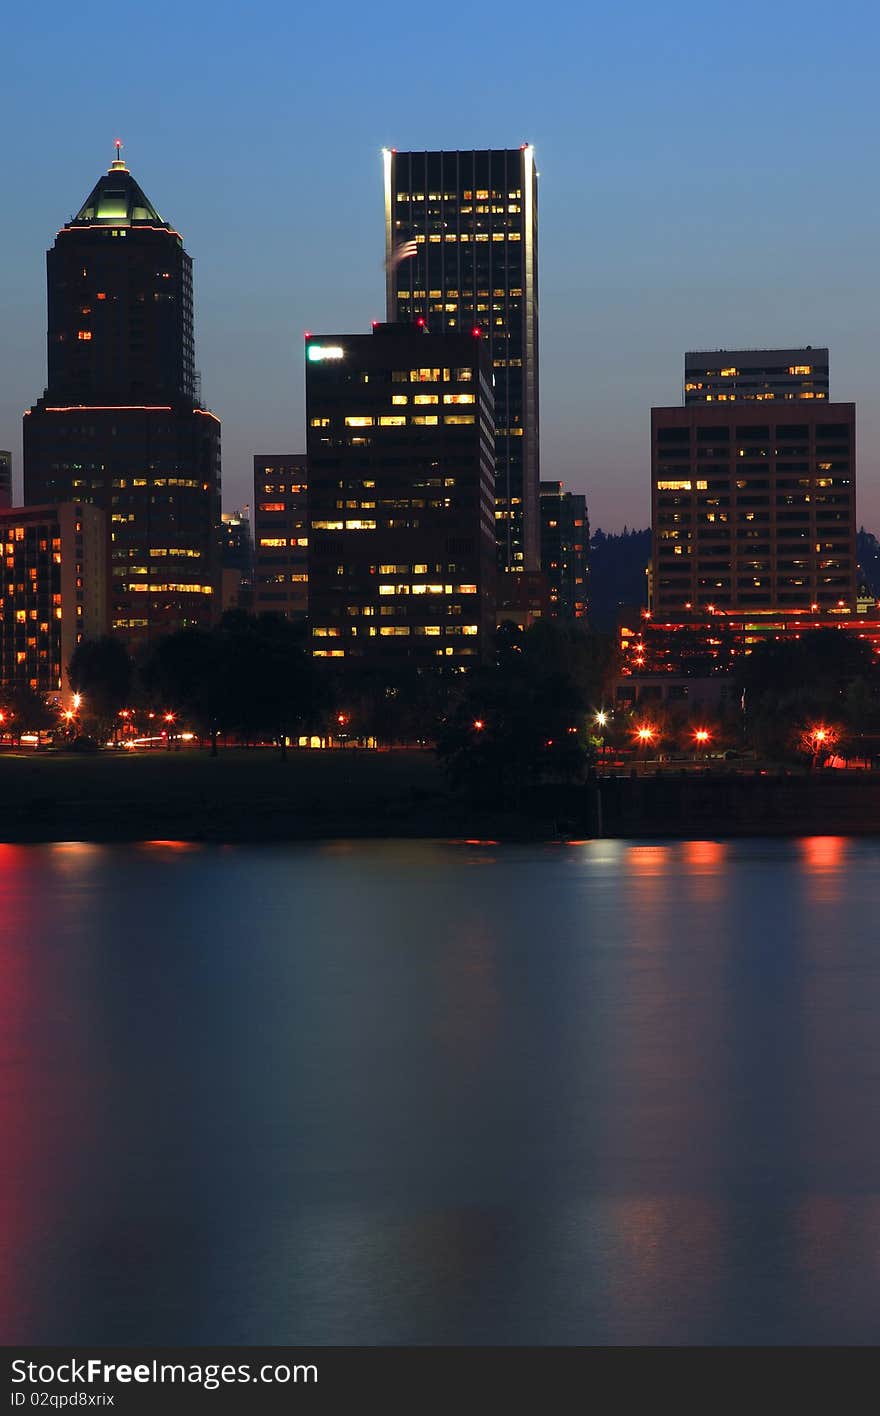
401,484
119,424
731,375
461,245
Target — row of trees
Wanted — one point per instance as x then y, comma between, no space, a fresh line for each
528,716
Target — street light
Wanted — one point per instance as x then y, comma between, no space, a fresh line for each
478,725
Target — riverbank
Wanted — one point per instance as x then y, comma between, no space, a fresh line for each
252,795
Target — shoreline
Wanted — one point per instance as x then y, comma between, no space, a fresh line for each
252,797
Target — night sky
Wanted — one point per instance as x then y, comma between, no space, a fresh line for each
708,179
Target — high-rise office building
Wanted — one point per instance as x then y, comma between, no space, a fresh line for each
565,549
753,507
461,243
281,487
5,479
119,424
731,375
401,496
53,592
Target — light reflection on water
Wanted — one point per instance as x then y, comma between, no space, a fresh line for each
416,1092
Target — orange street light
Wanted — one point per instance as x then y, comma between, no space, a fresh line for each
701,735
645,734
479,725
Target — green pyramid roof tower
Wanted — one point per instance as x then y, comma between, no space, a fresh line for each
117,200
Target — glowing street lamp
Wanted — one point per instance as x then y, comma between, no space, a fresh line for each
478,725
77,700
645,734
601,719
701,736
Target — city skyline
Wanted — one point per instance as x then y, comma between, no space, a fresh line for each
669,222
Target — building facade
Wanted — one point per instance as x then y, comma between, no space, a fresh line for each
765,375
54,592
401,496
565,549
281,511
119,424
753,507
461,242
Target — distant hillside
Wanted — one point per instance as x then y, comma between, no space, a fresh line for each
617,574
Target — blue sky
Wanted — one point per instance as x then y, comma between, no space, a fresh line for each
708,179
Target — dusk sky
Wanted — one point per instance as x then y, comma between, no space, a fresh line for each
708,179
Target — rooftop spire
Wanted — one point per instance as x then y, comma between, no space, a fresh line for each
117,165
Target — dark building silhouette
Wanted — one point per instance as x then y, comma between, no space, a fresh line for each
565,549
237,561
731,375
281,490
401,496
753,507
119,424
461,242
5,479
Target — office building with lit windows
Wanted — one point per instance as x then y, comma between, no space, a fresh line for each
120,424
765,375
53,592
753,508
401,496
565,549
461,243
281,534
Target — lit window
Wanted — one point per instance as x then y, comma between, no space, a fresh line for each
359,422
84,334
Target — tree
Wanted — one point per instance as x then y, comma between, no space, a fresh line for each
524,720
103,673
183,672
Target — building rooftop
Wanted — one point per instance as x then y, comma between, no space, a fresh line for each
117,200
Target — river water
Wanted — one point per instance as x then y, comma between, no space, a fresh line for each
437,1093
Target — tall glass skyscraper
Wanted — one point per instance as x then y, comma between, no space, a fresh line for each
461,245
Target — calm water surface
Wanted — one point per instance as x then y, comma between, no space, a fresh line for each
427,1093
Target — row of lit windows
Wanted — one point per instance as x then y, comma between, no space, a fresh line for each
189,589
424,589
277,541
400,420
436,240
399,630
